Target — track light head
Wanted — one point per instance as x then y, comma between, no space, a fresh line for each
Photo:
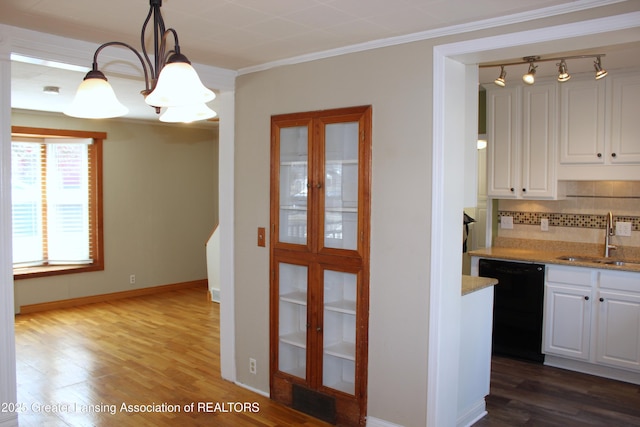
563,74
600,72
500,81
529,78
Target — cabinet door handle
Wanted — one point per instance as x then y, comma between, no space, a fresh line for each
319,185
613,154
586,298
524,190
599,154
319,329
513,189
601,299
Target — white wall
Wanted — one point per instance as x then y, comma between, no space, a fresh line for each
7,340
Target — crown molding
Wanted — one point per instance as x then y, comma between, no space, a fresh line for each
516,18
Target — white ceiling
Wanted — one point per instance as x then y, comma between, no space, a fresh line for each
237,34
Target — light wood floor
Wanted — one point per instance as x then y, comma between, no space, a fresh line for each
159,349
164,348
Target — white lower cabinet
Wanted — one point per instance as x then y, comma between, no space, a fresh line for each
619,320
568,311
568,321
603,331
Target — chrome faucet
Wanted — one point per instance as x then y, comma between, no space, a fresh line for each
608,232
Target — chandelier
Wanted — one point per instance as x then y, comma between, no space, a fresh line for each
172,85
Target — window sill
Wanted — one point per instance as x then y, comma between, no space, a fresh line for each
52,270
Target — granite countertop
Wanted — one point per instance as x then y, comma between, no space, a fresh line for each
550,252
474,283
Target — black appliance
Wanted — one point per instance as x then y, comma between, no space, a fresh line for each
517,308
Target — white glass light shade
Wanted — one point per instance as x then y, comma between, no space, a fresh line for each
95,99
178,85
187,114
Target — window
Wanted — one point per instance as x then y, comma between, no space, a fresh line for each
56,192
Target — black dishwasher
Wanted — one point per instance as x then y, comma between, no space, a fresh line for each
517,308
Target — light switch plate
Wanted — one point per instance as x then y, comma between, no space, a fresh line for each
623,228
506,222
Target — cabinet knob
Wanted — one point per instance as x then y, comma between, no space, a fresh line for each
613,154
586,298
524,190
513,189
319,185
601,299
599,154
319,329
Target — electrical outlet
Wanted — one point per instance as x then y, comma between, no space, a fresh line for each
544,224
132,279
623,228
252,366
506,222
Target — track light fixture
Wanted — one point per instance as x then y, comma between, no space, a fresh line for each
600,72
563,73
529,77
500,81
170,80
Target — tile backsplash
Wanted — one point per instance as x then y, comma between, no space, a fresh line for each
569,219
581,217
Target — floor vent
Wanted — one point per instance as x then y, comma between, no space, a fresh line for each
315,404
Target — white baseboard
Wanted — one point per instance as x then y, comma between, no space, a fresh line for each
473,414
215,295
593,369
377,422
255,390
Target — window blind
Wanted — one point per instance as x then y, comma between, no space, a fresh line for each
51,207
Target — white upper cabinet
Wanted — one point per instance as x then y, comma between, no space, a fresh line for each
521,132
503,113
538,153
582,120
599,127
625,118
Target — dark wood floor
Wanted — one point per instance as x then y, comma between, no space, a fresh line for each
528,394
164,349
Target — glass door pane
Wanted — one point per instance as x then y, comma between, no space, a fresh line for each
341,185
339,338
294,178
292,322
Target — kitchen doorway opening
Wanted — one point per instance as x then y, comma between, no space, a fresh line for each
455,65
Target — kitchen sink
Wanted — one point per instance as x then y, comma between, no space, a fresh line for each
578,258
608,261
